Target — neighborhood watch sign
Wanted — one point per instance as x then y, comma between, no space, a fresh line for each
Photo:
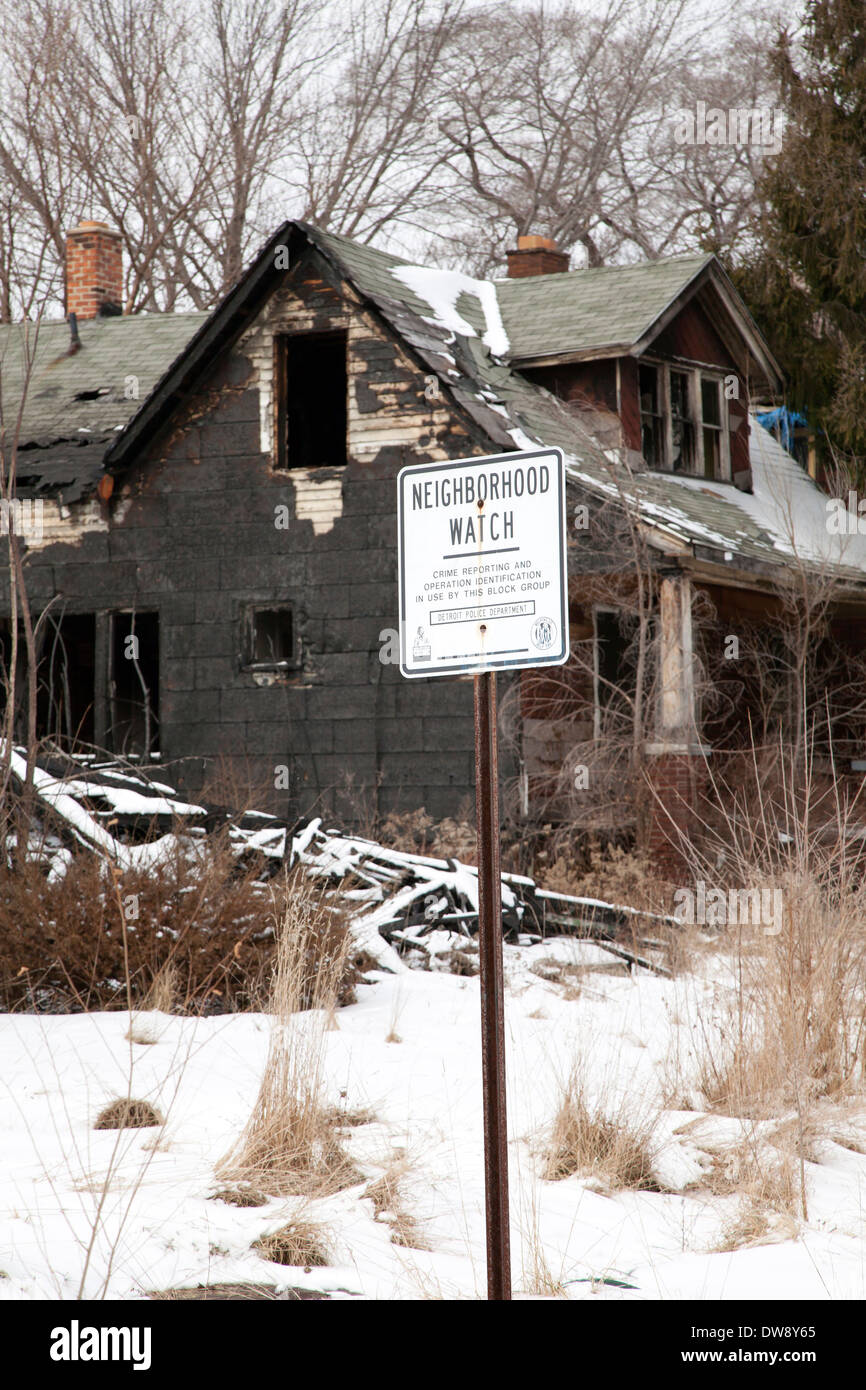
483,576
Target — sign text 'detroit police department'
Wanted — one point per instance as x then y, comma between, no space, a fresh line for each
483,564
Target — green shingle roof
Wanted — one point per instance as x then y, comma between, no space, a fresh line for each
584,310
119,363
467,331
712,518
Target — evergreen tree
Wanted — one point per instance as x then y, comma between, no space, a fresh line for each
808,286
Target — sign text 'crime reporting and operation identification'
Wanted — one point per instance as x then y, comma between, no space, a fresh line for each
483,564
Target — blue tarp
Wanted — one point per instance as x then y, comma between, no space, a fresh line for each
782,422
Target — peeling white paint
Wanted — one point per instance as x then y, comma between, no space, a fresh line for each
62,525
265,412
318,499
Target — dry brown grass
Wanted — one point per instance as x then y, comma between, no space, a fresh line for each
766,1179
795,1019
392,1036
613,874
786,1037
419,833
537,1277
299,1244
347,1117
590,1138
754,1224
757,1170
292,1142
128,1114
387,1195
795,1029
162,997
240,1197
203,939
164,990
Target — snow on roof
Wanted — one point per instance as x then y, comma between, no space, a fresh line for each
785,516
443,288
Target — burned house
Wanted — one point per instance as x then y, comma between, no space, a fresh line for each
208,506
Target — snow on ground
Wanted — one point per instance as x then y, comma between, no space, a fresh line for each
160,1227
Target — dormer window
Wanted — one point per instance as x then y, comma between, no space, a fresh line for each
683,421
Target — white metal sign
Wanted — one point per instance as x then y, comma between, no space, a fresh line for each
483,576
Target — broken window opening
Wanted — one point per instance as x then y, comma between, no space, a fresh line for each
711,419
269,640
133,715
684,421
682,425
651,417
312,392
65,680
615,668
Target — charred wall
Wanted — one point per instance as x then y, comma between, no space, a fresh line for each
205,533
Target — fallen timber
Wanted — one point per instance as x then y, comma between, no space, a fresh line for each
133,817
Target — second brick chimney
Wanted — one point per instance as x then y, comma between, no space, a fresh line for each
536,255
94,271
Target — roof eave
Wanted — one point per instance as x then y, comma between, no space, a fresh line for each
712,272
556,359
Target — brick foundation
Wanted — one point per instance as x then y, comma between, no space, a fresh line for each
678,780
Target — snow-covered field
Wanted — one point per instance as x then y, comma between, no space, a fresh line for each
156,1225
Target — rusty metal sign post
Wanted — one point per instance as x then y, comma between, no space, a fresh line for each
483,589
492,989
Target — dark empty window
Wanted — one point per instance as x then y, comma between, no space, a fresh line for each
65,684
64,705
616,669
615,656
682,425
312,389
270,639
651,417
711,419
133,714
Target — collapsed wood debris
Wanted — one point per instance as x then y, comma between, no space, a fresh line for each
402,905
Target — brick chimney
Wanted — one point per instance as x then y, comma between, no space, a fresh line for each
94,271
536,255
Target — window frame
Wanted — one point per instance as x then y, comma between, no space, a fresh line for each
114,700
281,462
660,416
248,637
696,377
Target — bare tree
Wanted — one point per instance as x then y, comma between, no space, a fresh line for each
370,153
553,107
260,57
563,119
20,617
